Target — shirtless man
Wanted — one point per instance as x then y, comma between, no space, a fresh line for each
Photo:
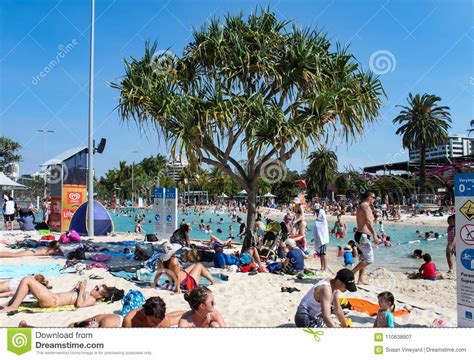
47,299
202,313
364,234
152,314
314,309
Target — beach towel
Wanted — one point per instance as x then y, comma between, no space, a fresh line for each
34,308
368,307
20,271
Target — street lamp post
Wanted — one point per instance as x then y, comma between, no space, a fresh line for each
90,172
45,132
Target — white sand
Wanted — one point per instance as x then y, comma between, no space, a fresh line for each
257,301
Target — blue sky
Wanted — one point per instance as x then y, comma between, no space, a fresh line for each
428,43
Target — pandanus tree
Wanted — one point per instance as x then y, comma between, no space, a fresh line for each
424,124
246,94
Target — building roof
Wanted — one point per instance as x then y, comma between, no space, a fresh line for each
410,166
63,156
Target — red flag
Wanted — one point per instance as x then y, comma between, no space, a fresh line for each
301,183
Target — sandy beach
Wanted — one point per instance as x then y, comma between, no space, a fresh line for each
254,301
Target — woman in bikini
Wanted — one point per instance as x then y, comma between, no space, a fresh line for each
52,250
97,321
202,313
48,299
169,265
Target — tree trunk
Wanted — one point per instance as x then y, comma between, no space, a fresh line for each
250,237
422,173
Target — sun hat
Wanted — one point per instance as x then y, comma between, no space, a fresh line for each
297,200
169,250
347,247
346,276
217,245
291,243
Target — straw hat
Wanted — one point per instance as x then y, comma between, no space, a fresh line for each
169,250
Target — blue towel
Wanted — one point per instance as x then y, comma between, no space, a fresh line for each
20,271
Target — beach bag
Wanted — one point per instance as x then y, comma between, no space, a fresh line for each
245,259
151,238
273,267
207,256
64,239
74,236
79,254
133,300
247,268
100,258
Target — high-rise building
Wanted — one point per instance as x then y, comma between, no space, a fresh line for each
175,165
12,170
455,146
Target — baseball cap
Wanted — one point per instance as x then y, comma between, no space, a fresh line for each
317,206
217,245
347,277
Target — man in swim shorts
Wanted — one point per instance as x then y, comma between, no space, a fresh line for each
365,234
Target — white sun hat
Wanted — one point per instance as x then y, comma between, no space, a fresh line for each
169,250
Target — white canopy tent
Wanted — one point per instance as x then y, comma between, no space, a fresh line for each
8,184
269,195
223,196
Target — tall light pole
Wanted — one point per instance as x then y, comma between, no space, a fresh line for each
90,172
45,132
133,183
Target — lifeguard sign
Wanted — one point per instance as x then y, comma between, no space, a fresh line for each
67,181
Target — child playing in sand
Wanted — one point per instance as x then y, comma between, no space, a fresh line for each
387,305
428,269
348,258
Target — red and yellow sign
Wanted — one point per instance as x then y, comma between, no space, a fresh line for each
72,197
55,215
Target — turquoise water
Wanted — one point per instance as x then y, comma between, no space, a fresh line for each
396,257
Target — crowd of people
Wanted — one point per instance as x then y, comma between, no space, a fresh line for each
280,247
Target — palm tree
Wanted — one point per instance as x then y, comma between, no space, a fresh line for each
255,87
424,125
321,171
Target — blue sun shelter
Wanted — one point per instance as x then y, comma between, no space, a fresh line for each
103,223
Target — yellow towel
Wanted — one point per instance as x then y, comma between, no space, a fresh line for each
34,307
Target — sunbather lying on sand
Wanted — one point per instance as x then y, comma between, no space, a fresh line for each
53,250
48,299
202,313
152,314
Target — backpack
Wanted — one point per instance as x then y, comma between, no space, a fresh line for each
79,254
245,259
133,300
74,236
